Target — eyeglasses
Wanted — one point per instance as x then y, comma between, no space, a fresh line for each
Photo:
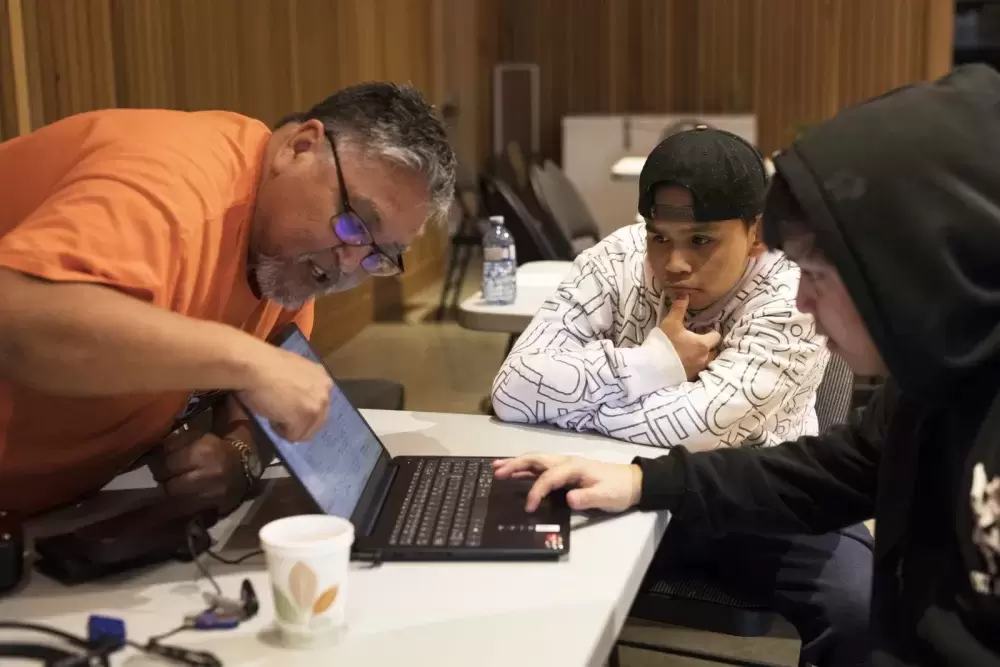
351,230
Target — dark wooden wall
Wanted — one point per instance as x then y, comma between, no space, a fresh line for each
263,58
792,62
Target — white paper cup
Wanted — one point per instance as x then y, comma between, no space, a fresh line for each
307,562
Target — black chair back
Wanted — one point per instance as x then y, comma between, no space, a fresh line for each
538,188
529,237
566,203
502,169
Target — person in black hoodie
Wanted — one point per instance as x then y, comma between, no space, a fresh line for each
892,209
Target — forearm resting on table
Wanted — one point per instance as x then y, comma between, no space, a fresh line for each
89,340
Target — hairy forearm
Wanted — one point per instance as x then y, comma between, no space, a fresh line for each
87,340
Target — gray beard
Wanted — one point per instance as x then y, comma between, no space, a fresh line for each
270,273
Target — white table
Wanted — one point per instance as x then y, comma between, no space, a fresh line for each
536,282
441,614
629,168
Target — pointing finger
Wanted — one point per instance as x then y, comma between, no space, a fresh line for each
552,479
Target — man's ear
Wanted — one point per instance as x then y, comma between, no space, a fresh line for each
296,142
755,233
307,136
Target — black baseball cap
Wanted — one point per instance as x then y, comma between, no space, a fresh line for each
724,173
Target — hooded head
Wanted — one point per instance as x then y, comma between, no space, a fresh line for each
901,195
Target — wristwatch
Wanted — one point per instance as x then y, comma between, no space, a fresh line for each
252,467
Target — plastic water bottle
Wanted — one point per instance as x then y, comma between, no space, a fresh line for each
499,264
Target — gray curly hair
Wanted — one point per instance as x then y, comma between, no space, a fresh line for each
394,122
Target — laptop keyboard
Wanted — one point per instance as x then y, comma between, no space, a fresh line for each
445,504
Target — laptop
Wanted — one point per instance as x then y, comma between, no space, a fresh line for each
413,507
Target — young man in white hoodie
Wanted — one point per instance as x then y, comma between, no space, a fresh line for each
683,331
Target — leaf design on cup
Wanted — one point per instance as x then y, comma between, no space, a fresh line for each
283,607
302,585
325,601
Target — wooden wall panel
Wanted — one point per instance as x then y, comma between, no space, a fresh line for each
8,101
263,58
792,62
74,55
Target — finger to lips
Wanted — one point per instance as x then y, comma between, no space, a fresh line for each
678,309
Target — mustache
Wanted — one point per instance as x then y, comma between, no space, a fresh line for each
277,282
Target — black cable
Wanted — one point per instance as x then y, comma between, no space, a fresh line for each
159,638
176,653
47,655
75,640
197,561
98,650
102,648
376,560
233,561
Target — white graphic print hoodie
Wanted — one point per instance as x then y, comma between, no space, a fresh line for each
594,358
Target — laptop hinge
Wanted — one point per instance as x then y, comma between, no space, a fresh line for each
381,498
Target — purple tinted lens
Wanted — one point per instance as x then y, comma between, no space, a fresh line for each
378,265
350,230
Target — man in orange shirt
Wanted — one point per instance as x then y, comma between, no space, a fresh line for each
145,255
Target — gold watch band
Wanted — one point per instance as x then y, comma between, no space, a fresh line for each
246,452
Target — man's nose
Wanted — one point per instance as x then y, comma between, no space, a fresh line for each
677,264
351,256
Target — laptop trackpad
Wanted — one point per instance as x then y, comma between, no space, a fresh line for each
508,525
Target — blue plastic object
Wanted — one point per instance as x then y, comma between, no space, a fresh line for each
209,620
101,629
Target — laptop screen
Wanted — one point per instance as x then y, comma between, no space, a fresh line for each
335,464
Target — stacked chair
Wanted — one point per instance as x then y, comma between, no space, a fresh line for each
466,241
560,199
507,189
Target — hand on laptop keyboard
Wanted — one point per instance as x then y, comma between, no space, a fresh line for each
612,487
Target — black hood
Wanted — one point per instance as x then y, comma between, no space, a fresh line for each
903,192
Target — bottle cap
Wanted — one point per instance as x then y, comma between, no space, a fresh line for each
496,219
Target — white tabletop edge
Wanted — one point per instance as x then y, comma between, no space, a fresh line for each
566,613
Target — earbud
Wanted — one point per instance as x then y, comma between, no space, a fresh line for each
248,597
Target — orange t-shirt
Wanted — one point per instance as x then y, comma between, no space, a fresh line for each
156,204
